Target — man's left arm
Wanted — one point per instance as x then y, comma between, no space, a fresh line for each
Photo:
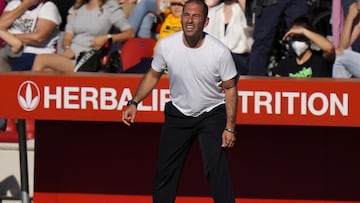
231,104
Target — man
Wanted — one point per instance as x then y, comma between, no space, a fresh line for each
203,92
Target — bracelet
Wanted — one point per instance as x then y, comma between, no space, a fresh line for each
132,102
230,130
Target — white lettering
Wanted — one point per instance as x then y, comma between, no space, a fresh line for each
89,95
316,103
69,96
342,107
125,96
311,105
48,96
257,102
265,102
303,103
164,98
277,103
154,99
290,97
108,98
244,99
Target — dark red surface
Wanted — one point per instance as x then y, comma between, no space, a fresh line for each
277,162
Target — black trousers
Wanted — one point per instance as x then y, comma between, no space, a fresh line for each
178,134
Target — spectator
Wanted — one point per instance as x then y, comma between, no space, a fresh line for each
337,21
139,19
148,13
355,46
172,22
212,3
347,62
36,24
80,35
228,24
3,65
268,15
127,6
306,62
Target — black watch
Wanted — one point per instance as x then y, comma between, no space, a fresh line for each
110,39
130,102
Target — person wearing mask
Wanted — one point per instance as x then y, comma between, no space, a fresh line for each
203,104
306,62
268,15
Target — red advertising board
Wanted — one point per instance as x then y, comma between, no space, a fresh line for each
101,97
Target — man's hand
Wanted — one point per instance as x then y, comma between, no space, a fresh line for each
129,115
228,139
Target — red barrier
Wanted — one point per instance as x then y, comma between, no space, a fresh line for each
101,97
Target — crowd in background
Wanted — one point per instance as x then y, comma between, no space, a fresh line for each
253,30
286,38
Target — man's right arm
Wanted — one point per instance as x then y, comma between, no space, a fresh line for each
148,82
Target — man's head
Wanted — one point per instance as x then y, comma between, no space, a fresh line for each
194,19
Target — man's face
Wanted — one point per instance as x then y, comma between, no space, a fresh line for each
193,20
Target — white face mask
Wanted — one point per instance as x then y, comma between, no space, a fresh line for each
299,47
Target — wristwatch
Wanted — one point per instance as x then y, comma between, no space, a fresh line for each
132,102
110,39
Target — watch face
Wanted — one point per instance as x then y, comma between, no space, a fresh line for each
110,39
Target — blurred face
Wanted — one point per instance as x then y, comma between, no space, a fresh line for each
193,20
212,3
176,9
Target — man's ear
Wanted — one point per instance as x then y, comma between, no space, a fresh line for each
206,21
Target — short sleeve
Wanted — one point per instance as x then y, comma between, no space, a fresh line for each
49,11
117,16
158,63
228,69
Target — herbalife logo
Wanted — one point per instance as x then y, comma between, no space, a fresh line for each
28,95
